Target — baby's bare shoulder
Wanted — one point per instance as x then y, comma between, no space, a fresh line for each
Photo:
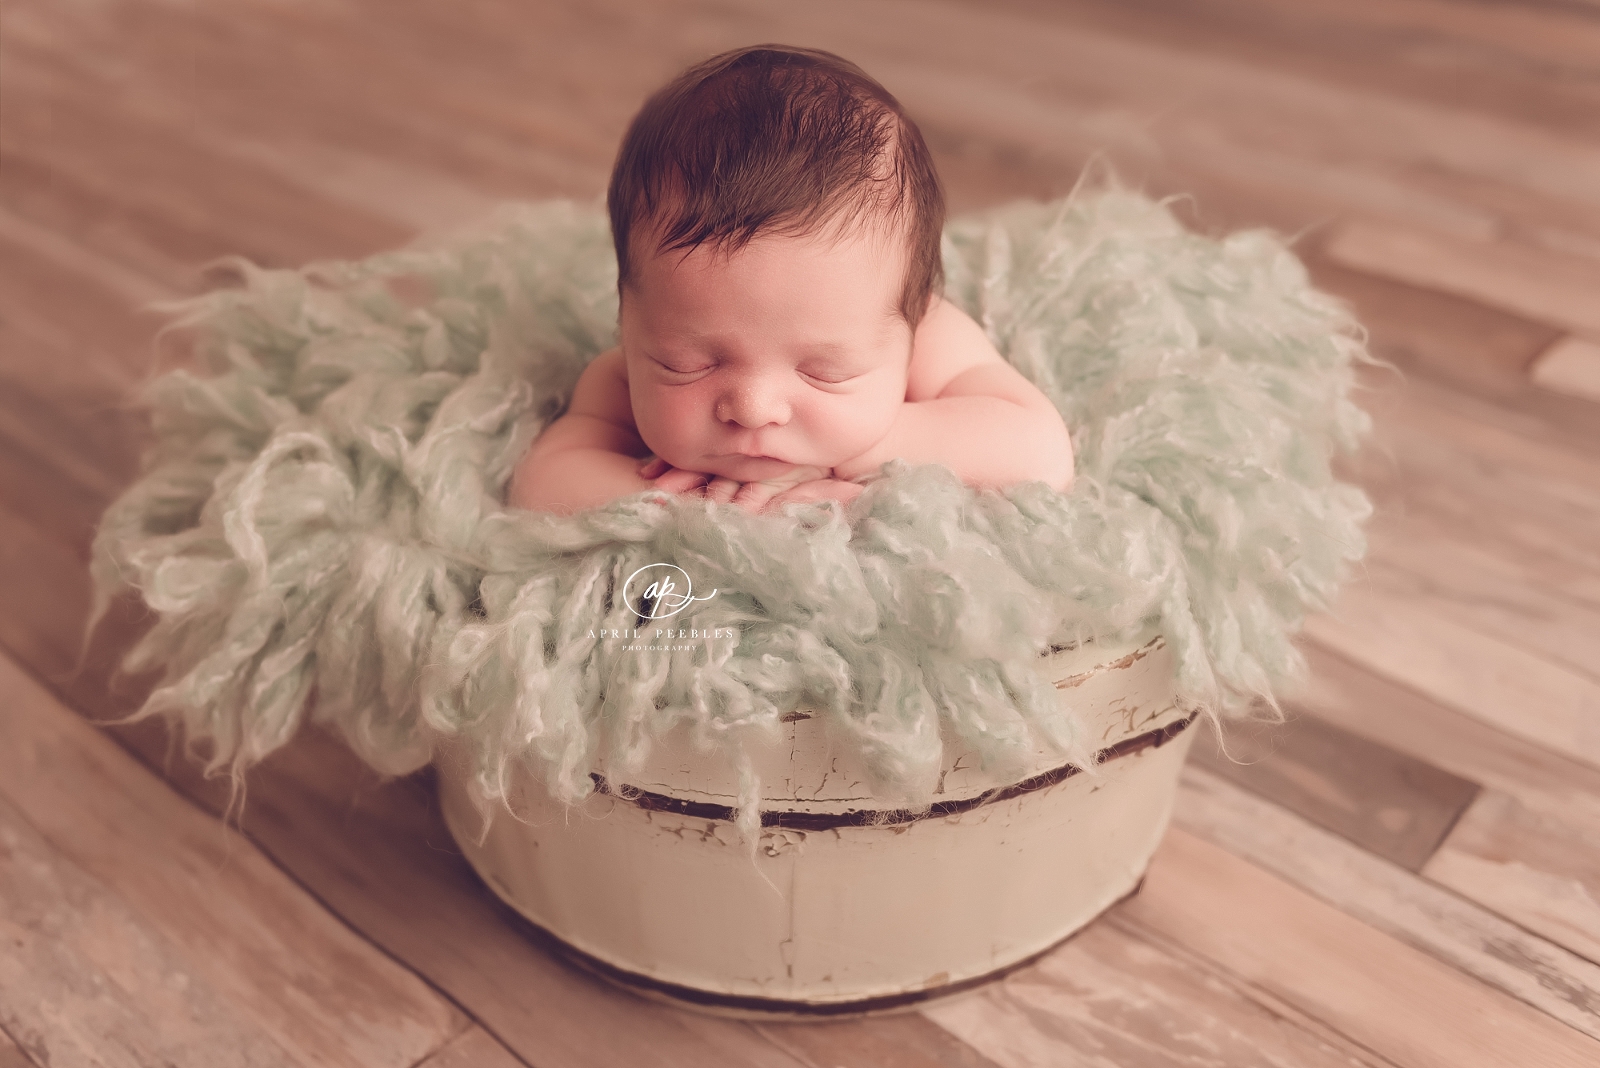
602,390
948,344
600,415
952,356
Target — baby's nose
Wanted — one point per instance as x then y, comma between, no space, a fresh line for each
753,405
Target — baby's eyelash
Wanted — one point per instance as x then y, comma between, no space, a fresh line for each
677,371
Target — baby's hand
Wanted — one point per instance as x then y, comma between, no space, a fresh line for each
672,479
757,496
799,483
820,489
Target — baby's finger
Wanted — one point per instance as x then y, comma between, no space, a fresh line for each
721,489
820,490
753,496
653,468
678,480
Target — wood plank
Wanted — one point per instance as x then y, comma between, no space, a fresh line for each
1525,62
196,910
1340,147
1412,909
473,1048
1112,997
1512,688
89,982
1389,997
1440,455
44,597
1457,342
1422,328
1570,366
1525,852
379,856
1540,284
126,287
62,508
196,72
11,1056
1431,565
1387,802
1343,692
1540,868
62,303
904,1040
1441,424
157,170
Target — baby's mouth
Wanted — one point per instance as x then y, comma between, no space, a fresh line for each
747,460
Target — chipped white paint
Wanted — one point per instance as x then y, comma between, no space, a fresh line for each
831,915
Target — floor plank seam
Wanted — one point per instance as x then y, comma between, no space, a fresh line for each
1403,935
261,847
1406,685
1257,995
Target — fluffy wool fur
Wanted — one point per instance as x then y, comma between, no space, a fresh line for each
319,528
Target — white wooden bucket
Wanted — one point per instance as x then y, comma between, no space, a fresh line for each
850,906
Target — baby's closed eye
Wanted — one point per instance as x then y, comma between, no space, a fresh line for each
832,378
682,367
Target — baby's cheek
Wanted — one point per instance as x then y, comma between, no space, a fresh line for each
851,426
668,422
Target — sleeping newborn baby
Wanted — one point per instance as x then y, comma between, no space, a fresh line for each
777,220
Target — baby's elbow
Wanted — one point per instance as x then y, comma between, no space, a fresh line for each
1062,471
1057,463
520,494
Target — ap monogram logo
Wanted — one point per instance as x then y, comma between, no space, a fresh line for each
658,591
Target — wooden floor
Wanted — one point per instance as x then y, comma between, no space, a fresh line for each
1408,874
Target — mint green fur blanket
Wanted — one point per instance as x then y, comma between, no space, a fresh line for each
319,528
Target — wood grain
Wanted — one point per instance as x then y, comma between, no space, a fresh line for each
117,877
1447,571
87,982
1528,62
1391,899
1509,686
1464,345
378,854
1375,707
1570,366
1391,998
1539,868
1387,802
1541,284
10,1055
906,1040
473,1048
1500,479
1112,997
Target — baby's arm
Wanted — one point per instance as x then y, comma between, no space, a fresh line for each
969,409
590,455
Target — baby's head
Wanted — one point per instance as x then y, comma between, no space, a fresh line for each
777,221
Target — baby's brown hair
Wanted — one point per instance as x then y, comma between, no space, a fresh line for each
774,139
